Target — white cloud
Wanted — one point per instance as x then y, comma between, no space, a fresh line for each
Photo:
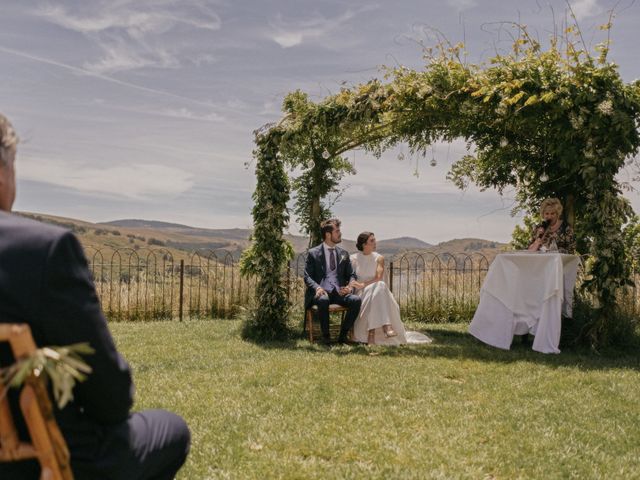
586,8
177,112
189,115
138,19
119,57
82,71
202,59
137,181
288,39
290,33
462,4
136,34
236,103
270,107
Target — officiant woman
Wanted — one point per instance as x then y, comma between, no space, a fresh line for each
553,233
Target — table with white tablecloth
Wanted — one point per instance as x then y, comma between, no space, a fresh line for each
526,292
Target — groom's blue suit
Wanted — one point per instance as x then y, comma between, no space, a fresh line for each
314,272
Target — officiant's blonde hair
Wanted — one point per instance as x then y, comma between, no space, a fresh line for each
551,202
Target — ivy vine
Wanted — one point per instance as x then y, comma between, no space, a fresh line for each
544,122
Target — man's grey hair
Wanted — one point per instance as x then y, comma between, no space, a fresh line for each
8,141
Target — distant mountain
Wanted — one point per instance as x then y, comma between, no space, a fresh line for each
181,240
402,243
241,234
136,223
469,245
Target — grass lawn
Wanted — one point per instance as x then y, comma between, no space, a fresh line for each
452,409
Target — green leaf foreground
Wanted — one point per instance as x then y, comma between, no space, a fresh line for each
63,366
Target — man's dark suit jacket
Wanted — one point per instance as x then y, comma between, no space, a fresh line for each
316,269
45,282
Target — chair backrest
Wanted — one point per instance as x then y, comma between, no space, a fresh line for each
47,443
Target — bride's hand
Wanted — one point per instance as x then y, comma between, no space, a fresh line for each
357,285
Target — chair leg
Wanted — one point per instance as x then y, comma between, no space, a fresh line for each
310,324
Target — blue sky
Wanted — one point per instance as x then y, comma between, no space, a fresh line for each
146,108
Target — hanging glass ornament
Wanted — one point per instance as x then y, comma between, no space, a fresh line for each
325,154
544,177
433,162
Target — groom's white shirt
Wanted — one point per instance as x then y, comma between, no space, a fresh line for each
330,280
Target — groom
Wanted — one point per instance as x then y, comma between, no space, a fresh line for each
327,274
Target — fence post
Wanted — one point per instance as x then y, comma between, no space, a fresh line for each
180,303
391,276
288,283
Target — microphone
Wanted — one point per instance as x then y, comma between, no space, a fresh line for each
544,225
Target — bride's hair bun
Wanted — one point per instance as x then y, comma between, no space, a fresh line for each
362,239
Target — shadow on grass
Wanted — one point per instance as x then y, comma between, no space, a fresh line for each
455,344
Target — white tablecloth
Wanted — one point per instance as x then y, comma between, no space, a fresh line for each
525,292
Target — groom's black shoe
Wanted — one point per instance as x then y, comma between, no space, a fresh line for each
345,341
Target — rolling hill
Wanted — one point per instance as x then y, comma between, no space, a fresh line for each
182,240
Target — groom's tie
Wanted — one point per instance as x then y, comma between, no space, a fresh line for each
332,259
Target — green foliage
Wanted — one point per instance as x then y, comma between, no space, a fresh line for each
631,236
311,148
623,328
555,122
438,310
63,366
269,256
521,235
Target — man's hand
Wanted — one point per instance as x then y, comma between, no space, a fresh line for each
320,291
345,290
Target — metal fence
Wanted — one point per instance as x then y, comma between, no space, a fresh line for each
150,284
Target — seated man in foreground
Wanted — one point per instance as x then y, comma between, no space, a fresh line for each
45,282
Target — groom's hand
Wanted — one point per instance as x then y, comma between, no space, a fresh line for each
320,291
345,290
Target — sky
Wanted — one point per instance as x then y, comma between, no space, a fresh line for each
146,108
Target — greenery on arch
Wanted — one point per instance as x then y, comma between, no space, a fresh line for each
543,122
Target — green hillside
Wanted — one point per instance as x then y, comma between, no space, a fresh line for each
182,240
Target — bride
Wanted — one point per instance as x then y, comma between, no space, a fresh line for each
379,319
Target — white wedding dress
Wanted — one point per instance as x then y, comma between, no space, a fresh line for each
378,307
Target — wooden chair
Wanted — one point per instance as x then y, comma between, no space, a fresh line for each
47,443
313,327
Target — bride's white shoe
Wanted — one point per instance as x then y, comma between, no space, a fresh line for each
390,332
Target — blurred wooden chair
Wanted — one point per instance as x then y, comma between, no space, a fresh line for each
313,325
47,444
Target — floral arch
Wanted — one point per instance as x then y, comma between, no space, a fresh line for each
546,122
